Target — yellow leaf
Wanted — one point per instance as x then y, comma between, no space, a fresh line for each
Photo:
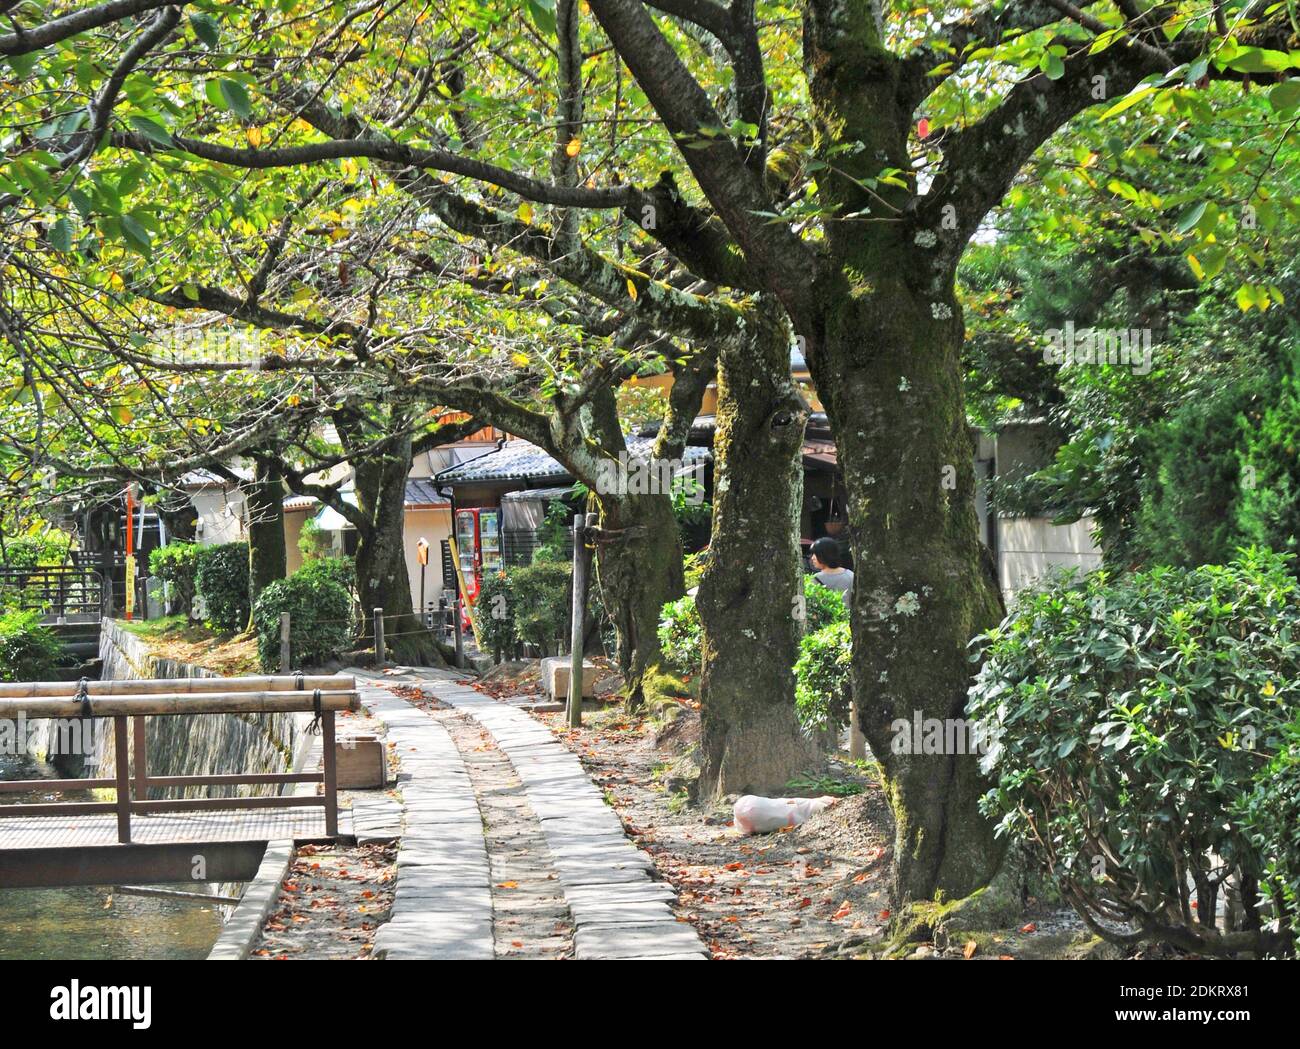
521,359
574,147
254,136
631,288
525,212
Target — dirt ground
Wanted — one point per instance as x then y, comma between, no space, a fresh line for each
819,890
331,903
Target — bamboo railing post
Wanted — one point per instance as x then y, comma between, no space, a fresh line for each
122,755
284,643
141,758
460,640
331,775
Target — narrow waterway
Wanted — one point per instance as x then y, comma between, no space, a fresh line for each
96,922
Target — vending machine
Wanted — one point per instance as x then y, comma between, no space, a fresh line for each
478,545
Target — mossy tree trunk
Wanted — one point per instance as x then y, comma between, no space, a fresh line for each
638,572
884,344
267,560
382,577
750,738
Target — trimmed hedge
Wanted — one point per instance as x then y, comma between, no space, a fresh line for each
221,583
541,605
495,608
320,617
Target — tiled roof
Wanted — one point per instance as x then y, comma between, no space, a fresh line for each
521,461
420,491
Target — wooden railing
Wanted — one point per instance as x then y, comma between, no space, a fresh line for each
133,701
55,591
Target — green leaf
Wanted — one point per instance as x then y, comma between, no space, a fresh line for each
543,15
61,235
206,28
1191,216
152,130
1128,101
235,98
136,236
1285,97
1052,66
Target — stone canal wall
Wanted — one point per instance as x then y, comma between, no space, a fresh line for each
211,744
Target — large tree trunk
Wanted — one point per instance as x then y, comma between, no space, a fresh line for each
750,738
885,352
266,553
922,589
638,573
382,578
640,569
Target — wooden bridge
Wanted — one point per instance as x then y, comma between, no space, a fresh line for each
134,838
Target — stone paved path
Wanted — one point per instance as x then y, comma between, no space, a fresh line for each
510,800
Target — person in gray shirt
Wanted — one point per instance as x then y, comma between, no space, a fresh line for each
828,563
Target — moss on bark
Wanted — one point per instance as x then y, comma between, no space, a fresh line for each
750,740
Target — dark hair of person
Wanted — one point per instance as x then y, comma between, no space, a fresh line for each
827,551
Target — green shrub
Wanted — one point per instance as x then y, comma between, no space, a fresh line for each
541,605
339,570
495,612
175,564
1125,721
680,635
823,676
38,551
822,605
320,616
1271,816
28,650
693,566
221,584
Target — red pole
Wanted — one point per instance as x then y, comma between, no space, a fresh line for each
130,548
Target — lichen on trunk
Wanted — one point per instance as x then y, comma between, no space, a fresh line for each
750,739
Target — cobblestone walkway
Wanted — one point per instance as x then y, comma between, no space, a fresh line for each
508,848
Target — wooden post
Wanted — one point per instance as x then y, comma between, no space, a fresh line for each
381,656
122,758
460,641
331,774
578,626
284,643
857,741
141,758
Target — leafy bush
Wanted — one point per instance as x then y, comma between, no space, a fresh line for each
37,551
823,677
822,605
175,564
1270,817
1126,720
221,584
28,650
495,612
680,635
693,566
313,541
320,614
541,602
339,570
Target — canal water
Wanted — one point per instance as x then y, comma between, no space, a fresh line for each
96,922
